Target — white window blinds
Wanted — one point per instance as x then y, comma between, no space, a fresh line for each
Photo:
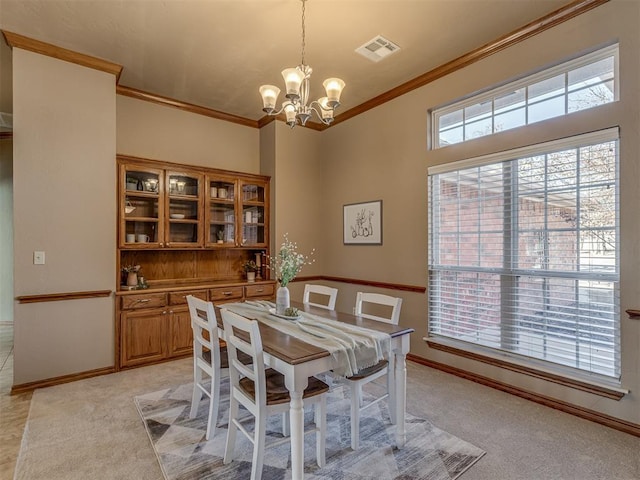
523,252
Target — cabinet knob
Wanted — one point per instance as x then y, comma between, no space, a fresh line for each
162,244
227,293
171,311
143,300
164,313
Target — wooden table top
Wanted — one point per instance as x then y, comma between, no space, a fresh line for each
295,351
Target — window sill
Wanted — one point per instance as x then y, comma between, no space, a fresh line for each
477,354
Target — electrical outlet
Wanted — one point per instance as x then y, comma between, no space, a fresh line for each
38,258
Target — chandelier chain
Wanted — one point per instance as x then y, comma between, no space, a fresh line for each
303,30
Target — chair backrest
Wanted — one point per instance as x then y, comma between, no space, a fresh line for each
249,342
377,298
203,319
332,293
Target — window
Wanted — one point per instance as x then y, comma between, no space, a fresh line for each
585,82
523,252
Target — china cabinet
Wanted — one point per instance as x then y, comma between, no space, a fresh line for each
187,230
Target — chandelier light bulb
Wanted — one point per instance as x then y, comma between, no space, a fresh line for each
290,112
293,78
325,109
333,87
269,97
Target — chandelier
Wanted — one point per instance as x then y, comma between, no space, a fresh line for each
297,85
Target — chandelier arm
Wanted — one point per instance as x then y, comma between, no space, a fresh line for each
315,102
273,113
326,121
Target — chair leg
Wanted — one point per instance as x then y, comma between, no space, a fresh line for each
391,387
356,398
197,393
320,411
259,440
214,403
286,424
231,432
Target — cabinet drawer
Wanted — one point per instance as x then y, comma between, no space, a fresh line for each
222,294
147,300
180,298
263,290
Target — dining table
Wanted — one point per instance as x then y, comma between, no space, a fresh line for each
298,360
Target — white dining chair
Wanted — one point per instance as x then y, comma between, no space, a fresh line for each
384,367
210,363
263,393
328,293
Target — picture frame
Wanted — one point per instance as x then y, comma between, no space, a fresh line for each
362,223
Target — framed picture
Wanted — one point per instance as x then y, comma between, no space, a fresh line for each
362,223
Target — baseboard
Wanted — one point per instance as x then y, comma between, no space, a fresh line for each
49,382
587,414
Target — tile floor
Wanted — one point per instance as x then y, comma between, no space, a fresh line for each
14,409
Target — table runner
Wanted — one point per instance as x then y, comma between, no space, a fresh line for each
352,348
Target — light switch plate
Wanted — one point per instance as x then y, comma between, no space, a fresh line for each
38,258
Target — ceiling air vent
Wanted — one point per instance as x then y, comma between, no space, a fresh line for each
377,49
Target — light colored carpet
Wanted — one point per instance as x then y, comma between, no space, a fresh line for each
523,440
185,454
91,429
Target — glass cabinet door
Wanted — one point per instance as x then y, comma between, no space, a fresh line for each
254,214
220,211
141,210
184,201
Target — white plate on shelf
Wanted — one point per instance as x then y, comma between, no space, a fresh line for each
272,311
177,216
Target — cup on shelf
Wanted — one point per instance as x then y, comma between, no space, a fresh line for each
214,192
222,193
130,238
142,238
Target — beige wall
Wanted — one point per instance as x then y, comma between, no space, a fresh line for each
382,154
154,131
6,100
64,180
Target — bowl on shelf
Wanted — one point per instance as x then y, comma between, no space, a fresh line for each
177,216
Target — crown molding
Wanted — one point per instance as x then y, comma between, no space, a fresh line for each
563,14
188,107
15,40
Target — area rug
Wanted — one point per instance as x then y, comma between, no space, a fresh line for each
184,454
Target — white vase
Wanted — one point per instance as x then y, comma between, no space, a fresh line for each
132,279
282,300
251,276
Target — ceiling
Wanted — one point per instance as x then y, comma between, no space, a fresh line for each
216,53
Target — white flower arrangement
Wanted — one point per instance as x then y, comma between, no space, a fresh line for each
288,262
